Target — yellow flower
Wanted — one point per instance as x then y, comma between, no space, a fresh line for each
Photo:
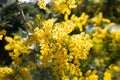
25,72
31,65
77,43
91,75
5,72
2,32
80,21
65,78
99,20
107,75
38,16
61,50
63,6
16,47
9,39
42,4
66,17
1,36
116,68
74,78
72,6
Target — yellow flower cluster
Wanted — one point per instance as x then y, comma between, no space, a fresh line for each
78,46
42,4
20,66
68,62
106,43
61,50
91,75
16,47
99,62
107,75
63,6
43,36
99,39
5,73
2,32
98,20
102,35
116,35
59,47
24,73
79,22
114,67
110,72
61,30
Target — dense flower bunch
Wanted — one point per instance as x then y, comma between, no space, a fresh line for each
106,42
63,6
63,48
99,21
20,67
5,72
17,48
42,4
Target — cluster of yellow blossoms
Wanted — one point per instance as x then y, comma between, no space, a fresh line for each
81,21
91,75
110,72
106,43
17,48
62,49
2,32
5,73
18,52
42,4
99,20
63,6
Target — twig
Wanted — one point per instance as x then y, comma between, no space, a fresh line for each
23,15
